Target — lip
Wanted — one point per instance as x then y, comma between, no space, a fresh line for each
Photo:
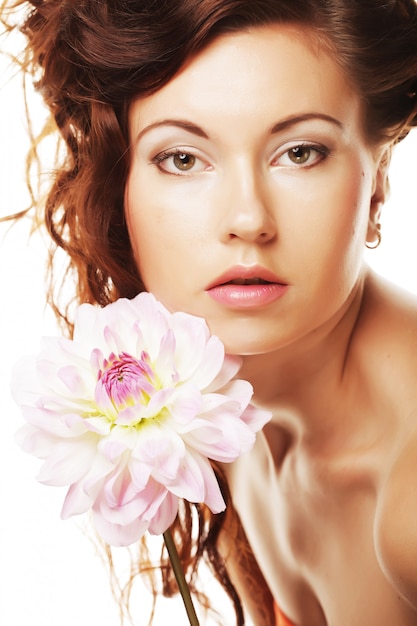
223,291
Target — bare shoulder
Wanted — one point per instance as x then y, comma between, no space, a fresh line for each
386,302
387,340
396,521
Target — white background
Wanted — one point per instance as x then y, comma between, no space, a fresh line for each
50,573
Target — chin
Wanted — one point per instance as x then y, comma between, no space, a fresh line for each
249,346
242,337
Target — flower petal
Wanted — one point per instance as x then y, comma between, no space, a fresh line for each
165,515
195,481
152,319
118,534
119,503
76,501
161,450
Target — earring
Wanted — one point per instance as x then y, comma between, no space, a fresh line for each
374,244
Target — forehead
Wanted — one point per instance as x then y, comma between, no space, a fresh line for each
279,69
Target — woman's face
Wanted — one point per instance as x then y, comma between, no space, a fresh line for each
251,188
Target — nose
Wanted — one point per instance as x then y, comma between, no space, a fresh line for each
247,212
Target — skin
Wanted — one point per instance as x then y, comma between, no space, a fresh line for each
332,358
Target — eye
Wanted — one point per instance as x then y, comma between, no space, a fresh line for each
299,155
179,162
303,155
183,161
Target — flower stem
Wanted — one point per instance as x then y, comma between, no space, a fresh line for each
179,575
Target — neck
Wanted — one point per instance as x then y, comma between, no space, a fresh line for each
297,376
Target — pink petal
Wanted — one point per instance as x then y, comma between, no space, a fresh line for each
130,416
165,515
94,479
187,403
165,363
65,426
76,501
60,467
73,381
196,482
35,441
113,341
239,391
119,441
223,442
213,497
152,319
78,425
230,368
117,534
211,364
255,418
158,401
88,487
118,502
112,449
140,473
85,323
104,402
192,332
161,450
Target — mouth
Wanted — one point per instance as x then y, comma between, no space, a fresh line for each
247,276
247,288
248,281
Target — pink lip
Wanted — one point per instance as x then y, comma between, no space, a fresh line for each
223,291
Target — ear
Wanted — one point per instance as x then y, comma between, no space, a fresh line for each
380,191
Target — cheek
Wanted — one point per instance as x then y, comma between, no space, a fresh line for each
349,227
160,230
143,222
147,236
355,204
343,210
328,229
171,211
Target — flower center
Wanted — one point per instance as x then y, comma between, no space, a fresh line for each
127,380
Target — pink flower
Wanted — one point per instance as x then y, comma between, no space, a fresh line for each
130,411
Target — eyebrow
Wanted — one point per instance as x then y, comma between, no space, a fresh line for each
277,128
304,117
188,126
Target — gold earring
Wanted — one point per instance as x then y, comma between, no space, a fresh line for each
374,244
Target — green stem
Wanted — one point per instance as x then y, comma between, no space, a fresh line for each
179,575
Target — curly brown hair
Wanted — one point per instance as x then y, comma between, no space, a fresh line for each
91,59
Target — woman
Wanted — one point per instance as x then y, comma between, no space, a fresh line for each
231,157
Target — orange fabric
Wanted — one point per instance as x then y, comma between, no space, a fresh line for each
281,620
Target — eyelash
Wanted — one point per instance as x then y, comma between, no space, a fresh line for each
163,156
